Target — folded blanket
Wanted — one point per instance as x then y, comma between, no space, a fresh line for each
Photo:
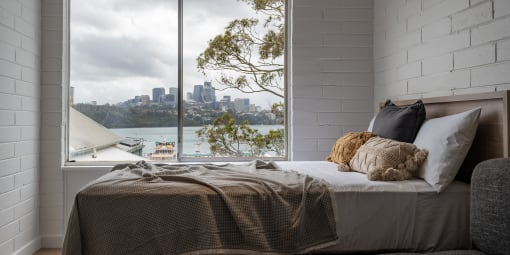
201,209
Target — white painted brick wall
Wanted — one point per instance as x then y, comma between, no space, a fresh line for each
332,80
439,64
436,12
501,8
491,74
464,48
503,48
439,46
53,87
20,23
436,29
472,16
493,31
475,56
410,70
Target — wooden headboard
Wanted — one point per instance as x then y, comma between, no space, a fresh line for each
492,136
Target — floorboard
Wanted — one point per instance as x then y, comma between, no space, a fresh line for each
48,252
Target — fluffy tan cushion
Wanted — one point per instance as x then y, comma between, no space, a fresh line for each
387,160
346,146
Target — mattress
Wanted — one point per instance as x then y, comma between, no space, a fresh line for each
392,216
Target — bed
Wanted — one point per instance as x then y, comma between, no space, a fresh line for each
400,216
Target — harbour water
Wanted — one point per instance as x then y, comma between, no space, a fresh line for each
192,144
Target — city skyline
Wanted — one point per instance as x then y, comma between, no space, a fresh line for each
159,96
128,47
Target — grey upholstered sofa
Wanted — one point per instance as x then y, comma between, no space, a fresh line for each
490,209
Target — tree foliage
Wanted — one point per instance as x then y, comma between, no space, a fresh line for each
248,55
226,138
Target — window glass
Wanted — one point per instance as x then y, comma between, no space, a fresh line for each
123,100
124,87
233,78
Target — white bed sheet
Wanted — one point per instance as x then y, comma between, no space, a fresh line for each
388,216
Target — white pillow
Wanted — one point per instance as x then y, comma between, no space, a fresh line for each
371,124
448,140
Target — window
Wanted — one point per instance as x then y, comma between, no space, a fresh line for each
177,80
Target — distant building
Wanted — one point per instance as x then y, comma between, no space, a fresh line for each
242,104
157,93
197,93
189,96
225,104
209,95
173,91
93,103
226,99
145,99
252,108
169,99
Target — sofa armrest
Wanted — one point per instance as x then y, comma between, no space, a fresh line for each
490,206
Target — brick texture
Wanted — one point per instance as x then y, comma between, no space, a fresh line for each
463,48
332,79
53,86
19,125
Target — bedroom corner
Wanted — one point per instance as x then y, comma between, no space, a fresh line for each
345,57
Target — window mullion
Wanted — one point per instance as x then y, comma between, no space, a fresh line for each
180,86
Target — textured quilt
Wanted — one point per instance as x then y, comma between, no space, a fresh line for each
201,209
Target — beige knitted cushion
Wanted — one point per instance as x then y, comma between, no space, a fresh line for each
346,146
387,160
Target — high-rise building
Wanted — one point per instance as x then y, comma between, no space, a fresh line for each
197,93
189,96
225,103
226,99
169,99
209,94
173,95
157,93
242,104
173,91
145,99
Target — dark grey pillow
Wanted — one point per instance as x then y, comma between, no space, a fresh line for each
399,123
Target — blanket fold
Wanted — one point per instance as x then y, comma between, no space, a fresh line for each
201,208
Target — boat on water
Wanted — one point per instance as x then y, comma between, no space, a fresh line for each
163,151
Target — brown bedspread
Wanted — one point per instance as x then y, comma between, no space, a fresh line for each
201,209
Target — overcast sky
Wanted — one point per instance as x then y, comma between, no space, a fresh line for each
123,48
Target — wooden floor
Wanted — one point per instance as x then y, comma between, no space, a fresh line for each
48,252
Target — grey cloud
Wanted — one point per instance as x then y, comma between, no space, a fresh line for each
122,67
143,4
99,57
99,21
218,7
